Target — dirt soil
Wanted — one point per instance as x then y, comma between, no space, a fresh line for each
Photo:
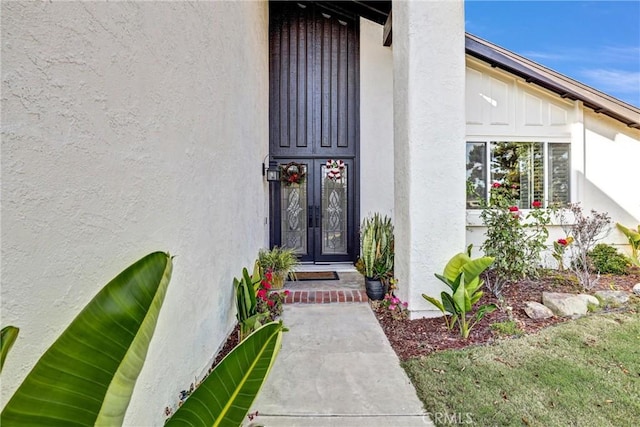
415,338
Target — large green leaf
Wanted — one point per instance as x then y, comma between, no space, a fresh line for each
632,235
226,395
445,280
448,303
87,376
454,266
459,297
8,336
435,302
473,268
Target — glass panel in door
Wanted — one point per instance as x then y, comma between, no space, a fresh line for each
334,197
293,216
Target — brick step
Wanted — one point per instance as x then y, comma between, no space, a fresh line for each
326,297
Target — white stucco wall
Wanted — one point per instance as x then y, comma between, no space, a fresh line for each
429,111
376,121
609,181
129,128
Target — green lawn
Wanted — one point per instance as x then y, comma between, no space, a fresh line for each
579,373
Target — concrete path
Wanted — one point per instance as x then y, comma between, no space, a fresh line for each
337,369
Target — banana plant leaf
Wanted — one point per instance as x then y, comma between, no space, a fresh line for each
475,267
471,267
460,298
8,336
632,235
454,266
226,395
87,376
435,302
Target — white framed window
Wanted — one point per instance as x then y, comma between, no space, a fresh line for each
540,171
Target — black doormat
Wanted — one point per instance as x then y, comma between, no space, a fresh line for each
313,275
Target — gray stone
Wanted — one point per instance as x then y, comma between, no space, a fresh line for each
636,289
619,297
589,299
535,310
565,305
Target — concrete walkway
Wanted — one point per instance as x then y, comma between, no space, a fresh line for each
336,368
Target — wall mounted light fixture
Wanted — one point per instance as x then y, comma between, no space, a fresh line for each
272,172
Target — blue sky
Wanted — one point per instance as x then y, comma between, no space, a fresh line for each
594,42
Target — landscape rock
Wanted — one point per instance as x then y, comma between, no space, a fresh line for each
636,289
535,310
565,305
619,297
589,299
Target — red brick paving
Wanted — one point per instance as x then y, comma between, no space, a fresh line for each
326,297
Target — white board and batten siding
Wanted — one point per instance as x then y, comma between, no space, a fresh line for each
502,105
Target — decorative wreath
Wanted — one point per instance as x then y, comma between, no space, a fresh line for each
335,169
292,173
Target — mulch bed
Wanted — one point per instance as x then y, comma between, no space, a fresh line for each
420,337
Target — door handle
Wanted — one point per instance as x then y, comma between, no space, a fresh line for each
313,213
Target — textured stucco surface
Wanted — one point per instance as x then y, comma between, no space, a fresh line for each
611,156
429,127
129,128
376,121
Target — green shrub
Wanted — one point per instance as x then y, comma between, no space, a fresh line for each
514,239
606,259
508,328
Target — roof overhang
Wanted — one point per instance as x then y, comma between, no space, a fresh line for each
376,11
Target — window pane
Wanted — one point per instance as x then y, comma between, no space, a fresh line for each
559,174
334,212
521,165
476,174
293,226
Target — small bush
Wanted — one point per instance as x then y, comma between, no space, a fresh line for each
585,230
509,328
513,239
607,260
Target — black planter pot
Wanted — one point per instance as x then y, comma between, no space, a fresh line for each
375,289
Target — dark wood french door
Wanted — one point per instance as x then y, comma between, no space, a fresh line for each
314,118
316,216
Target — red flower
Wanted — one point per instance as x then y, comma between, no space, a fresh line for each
270,303
536,204
262,294
563,242
266,285
496,185
269,275
513,209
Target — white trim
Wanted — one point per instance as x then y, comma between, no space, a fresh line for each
578,150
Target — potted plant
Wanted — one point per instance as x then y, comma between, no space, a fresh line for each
376,255
280,261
